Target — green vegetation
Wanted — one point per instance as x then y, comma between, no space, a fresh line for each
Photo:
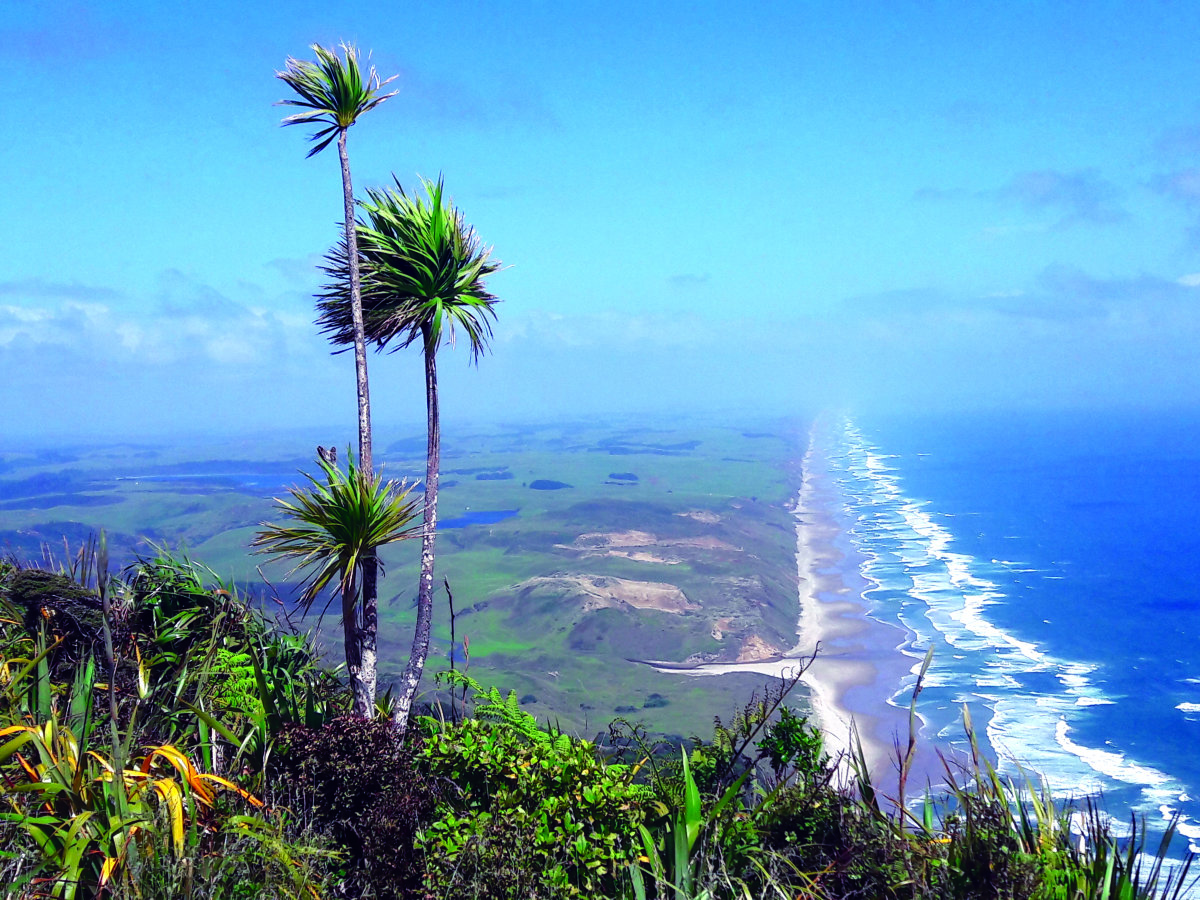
423,279
338,529
333,94
177,745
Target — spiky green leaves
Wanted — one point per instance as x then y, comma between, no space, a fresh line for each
336,524
423,272
332,90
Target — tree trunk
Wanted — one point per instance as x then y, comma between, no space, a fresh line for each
353,638
420,648
368,631
361,663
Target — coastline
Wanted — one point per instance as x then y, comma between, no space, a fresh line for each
859,665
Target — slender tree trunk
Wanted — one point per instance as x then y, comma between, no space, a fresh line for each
368,631
353,639
420,648
361,664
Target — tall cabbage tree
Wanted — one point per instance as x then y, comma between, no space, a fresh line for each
332,93
423,272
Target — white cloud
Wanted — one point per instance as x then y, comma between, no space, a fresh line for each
187,324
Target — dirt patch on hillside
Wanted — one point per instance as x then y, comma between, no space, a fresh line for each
606,592
643,546
720,627
755,648
708,517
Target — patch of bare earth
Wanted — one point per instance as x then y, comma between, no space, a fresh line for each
701,515
606,592
755,648
642,546
721,626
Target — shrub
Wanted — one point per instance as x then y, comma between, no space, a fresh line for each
354,780
529,816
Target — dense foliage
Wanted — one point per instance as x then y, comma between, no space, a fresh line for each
527,812
160,738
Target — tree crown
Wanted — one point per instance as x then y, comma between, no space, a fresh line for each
423,271
337,523
332,90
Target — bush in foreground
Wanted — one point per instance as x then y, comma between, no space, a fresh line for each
135,748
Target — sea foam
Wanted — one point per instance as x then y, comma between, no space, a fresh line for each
915,575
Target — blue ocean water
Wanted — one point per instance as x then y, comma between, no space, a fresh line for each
1053,562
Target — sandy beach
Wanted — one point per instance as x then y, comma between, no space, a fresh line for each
859,666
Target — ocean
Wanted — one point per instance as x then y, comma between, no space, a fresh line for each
1053,563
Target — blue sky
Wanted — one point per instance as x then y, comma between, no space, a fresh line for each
703,207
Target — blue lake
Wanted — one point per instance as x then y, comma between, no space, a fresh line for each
478,517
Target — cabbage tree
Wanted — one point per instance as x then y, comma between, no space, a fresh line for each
423,273
337,527
332,93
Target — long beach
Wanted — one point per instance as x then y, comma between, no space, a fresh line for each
859,666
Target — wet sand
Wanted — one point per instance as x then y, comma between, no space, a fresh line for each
859,667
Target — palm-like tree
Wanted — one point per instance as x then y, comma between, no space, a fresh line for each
337,528
423,281
333,93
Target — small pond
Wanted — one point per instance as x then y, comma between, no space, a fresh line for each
478,517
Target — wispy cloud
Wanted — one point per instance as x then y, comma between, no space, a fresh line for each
188,322
1082,196
1063,310
1067,338
182,356
298,271
38,288
180,295
62,324
1079,196
1182,186
1064,338
611,330
689,280
1178,143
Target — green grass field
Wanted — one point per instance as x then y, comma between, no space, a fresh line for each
714,499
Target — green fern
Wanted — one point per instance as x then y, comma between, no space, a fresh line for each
234,687
491,706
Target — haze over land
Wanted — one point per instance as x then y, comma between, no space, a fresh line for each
777,208
709,216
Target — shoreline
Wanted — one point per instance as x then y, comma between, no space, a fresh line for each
859,665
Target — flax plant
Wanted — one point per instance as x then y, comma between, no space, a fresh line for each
337,528
88,814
